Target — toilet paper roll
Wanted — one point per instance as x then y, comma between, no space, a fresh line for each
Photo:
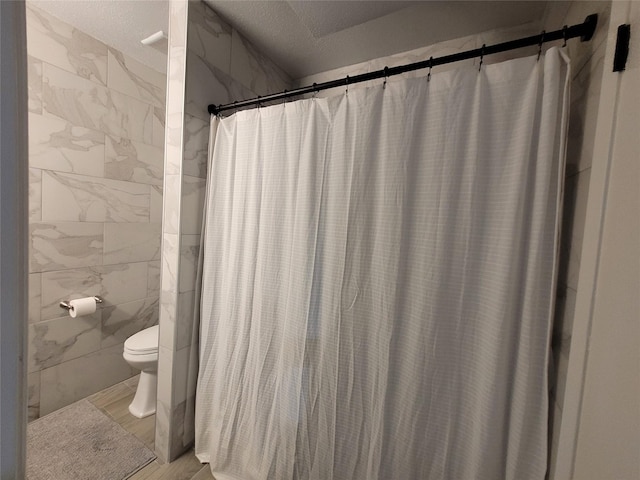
82,306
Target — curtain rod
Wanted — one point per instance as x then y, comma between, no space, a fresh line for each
584,30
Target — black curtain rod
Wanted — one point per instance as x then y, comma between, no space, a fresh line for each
584,31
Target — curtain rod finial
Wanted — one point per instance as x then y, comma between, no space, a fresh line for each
212,109
590,24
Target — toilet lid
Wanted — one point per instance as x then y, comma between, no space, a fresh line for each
145,341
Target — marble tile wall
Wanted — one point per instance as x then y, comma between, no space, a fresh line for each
96,137
170,263
587,63
209,62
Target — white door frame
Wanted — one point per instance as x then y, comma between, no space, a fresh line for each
13,239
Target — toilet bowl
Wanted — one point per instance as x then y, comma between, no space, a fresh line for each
141,352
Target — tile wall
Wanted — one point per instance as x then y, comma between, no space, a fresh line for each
96,137
209,62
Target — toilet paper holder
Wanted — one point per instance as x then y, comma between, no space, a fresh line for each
67,305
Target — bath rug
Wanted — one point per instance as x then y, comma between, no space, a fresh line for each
81,442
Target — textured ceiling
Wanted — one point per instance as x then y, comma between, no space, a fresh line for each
307,37
325,17
118,23
302,36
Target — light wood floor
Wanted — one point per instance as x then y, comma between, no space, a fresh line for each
114,402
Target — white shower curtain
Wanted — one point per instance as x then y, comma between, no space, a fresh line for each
379,279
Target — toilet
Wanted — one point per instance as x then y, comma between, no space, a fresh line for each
141,352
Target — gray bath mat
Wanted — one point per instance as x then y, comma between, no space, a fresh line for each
80,442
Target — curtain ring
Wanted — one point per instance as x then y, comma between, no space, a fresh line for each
540,44
259,103
386,74
284,98
346,81
315,91
430,67
481,56
564,35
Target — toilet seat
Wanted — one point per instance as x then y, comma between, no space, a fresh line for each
144,342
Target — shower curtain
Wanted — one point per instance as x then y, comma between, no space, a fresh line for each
378,280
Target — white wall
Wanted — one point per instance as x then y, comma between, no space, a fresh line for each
598,436
608,444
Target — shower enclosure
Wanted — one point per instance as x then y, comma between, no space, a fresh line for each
378,279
